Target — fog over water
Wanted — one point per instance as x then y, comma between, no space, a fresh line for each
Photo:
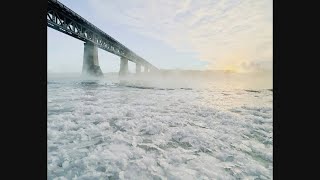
177,125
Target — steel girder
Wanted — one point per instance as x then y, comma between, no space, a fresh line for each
63,19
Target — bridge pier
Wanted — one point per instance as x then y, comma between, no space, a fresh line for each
90,61
138,68
123,67
57,12
146,69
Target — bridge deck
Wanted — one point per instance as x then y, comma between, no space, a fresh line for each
65,20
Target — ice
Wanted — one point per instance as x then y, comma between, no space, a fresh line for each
107,130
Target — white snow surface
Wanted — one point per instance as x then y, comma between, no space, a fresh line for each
111,129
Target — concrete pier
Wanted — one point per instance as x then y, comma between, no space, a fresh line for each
90,61
138,68
123,67
77,27
146,69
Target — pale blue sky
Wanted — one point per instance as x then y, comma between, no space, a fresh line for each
183,34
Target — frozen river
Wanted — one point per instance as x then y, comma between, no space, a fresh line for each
166,129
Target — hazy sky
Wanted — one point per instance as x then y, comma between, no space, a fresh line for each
177,34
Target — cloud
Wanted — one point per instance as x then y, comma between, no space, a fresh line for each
223,33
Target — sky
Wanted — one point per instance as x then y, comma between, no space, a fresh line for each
181,34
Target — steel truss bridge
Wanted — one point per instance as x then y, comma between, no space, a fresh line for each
63,19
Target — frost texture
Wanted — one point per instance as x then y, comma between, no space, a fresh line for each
106,130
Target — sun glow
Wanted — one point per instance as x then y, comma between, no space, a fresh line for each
231,68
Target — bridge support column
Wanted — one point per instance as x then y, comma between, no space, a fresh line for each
138,68
90,61
123,67
146,69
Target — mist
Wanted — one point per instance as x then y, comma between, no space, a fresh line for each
183,79
206,114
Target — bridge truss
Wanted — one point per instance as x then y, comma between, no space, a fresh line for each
63,19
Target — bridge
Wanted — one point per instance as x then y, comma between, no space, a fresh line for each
63,19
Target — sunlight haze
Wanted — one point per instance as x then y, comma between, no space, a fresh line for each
184,34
